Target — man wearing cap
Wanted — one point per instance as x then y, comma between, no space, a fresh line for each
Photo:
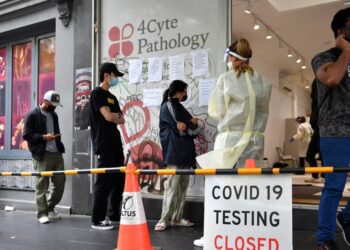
105,114
42,132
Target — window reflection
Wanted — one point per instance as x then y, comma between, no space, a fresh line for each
21,91
46,66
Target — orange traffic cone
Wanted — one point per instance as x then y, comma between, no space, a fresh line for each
133,230
250,163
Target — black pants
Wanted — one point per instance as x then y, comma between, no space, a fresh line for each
312,150
108,190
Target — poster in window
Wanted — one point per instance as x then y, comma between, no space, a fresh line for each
21,89
47,53
82,97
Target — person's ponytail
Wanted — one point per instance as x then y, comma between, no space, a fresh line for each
165,96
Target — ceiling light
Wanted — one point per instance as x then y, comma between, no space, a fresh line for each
248,8
268,35
303,67
307,86
298,60
289,53
256,25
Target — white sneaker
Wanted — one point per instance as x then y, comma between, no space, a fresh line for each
102,226
112,222
54,215
199,242
44,219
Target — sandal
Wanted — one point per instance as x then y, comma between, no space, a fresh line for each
182,223
161,226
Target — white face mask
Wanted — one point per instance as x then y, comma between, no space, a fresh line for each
229,65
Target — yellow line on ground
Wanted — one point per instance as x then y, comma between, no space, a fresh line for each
6,173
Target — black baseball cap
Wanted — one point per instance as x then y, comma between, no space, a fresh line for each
110,68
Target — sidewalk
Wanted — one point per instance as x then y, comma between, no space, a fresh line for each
20,230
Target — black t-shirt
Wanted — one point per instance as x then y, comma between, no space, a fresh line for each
105,135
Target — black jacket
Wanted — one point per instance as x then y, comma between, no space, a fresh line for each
178,147
35,128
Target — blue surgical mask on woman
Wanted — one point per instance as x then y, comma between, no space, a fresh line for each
113,82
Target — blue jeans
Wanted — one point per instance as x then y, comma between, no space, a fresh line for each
336,153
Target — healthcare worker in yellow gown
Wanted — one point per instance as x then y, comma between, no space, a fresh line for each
240,103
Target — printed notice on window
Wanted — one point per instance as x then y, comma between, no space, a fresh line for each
200,65
205,87
152,97
176,67
155,69
135,70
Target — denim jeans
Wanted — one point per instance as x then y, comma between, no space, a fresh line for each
336,153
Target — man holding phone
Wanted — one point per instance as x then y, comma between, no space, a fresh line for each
41,130
333,89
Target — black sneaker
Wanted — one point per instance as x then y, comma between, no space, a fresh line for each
329,245
102,226
345,227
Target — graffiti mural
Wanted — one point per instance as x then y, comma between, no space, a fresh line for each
140,133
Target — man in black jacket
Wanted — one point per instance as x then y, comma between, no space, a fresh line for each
42,132
105,115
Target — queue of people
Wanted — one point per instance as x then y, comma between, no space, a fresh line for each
240,104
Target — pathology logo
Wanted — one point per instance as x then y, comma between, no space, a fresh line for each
154,35
121,44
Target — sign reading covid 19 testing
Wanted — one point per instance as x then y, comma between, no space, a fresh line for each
248,213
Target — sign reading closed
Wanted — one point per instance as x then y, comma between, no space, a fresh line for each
248,213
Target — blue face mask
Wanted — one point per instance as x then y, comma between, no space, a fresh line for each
113,82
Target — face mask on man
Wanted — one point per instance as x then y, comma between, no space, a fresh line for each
184,98
113,82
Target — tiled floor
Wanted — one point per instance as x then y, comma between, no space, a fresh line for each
20,230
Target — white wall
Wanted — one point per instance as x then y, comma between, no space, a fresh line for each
283,104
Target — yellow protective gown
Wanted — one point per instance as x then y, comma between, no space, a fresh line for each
241,105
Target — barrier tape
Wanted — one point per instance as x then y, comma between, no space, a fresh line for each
234,171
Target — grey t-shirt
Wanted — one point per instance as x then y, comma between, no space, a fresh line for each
333,102
50,145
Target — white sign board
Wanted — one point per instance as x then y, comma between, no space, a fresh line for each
248,212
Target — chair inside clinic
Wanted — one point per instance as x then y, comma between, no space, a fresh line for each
290,160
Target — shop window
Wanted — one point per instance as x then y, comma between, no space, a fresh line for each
21,89
46,66
22,86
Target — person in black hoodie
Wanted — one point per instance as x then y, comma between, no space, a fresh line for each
177,130
42,132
